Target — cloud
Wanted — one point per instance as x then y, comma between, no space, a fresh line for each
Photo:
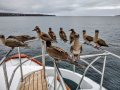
61,7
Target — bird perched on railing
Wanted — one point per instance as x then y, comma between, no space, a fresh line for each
42,35
99,42
62,35
76,48
22,38
56,52
72,34
11,42
52,35
86,37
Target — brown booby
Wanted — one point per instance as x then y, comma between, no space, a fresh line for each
42,35
52,34
22,38
76,48
99,42
11,42
56,52
86,37
63,35
72,34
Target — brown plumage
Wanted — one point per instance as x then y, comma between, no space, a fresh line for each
22,38
52,34
76,48
99,42
62,35
86,37
42,35
56,52
11,42
72,34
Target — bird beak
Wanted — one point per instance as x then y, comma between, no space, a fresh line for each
70,30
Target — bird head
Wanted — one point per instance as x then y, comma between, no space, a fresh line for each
61,29
72,30
37,29
2,36
48,43
96,31
2,39
10,36
84,31
50,29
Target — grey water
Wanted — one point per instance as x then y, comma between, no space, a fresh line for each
109,28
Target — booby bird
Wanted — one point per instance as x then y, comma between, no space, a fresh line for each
42,35
99,42
76,48
56,52
86,37
63,35
22,38
52,34
72,34
11,42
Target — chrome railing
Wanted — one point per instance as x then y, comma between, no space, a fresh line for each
57,71
105,54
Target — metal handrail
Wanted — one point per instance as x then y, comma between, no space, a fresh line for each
21,70
86,71
103,70
3,59
91,66
82,59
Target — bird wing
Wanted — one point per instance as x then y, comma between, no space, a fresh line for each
14,43
57,53
89,38
101,42
45,37
63,36
59,49
52,34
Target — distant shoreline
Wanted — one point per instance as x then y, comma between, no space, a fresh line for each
21,14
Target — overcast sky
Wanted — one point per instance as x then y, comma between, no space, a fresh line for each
63,7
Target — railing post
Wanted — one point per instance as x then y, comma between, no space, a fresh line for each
55,77
60,76
21,71
74,68
5,75
43,55
103,71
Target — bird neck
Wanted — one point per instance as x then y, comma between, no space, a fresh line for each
96,36
2,41
39,33
76,42
84,35
73,31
